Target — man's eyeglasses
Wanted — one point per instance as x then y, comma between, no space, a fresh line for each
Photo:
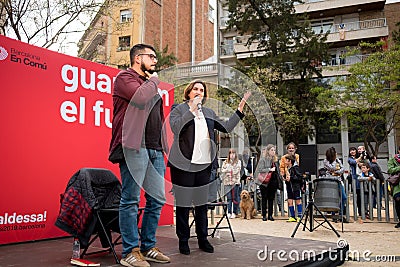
151,56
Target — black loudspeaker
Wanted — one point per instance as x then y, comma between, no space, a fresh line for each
308,158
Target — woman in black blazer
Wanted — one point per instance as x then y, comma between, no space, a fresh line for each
192,155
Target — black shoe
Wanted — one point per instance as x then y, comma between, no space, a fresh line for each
184,247
264,219
397,225
205,246
271,218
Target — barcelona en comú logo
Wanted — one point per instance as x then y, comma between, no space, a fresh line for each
3,53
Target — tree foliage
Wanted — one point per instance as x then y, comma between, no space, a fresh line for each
45,22
369,97
165,59
291,57
396,34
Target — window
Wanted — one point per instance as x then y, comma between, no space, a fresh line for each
125,15
211,13
322,26
227,47
124,43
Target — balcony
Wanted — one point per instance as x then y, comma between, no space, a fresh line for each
339,66
226,50
196,71
242,51
358,30
346,61
335,7
95,47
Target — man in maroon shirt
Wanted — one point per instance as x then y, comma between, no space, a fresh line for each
136,147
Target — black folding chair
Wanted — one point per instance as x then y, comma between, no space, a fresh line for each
108,220
89,206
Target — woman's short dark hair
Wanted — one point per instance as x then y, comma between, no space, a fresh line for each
189,88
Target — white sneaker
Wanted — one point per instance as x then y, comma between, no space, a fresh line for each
233,216
229,215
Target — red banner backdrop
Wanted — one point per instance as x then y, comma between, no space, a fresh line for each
56,118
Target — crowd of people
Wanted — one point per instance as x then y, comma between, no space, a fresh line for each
363,168
137,145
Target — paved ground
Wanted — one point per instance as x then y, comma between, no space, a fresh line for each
252,236
244,252
380,238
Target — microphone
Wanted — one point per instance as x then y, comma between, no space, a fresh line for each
199,106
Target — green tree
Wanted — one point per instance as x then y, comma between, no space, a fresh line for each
369,96
165,59
291,58
396,34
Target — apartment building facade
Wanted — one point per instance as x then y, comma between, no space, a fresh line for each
186,27
348,23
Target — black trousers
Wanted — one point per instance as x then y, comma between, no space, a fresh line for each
396,199
191,189
267,200
358,192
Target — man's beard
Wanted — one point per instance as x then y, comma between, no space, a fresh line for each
144,69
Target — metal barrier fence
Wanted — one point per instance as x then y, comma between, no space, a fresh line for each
367,199
382,212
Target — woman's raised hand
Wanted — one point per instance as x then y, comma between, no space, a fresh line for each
243,101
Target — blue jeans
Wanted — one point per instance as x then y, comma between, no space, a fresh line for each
148,168
232,198
344,199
